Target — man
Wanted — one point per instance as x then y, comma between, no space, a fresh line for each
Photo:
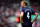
25,15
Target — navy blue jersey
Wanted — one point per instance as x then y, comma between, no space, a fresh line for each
27,14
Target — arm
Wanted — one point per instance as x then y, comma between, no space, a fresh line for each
35,17
21,15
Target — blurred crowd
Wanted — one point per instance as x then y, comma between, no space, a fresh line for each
9,8
35,5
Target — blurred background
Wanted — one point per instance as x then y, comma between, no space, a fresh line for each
10,12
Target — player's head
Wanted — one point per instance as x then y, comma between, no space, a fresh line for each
23,3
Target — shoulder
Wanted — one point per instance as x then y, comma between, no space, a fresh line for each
31,9
21,10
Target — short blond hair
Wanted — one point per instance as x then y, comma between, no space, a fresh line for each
25,2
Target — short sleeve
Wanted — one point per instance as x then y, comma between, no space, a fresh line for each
33,12
21,10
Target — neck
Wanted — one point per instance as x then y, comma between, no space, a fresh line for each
25,6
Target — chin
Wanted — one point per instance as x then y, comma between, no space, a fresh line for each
21,6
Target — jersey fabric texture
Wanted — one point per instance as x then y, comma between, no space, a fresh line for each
27,16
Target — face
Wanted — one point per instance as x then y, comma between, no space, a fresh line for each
22,4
